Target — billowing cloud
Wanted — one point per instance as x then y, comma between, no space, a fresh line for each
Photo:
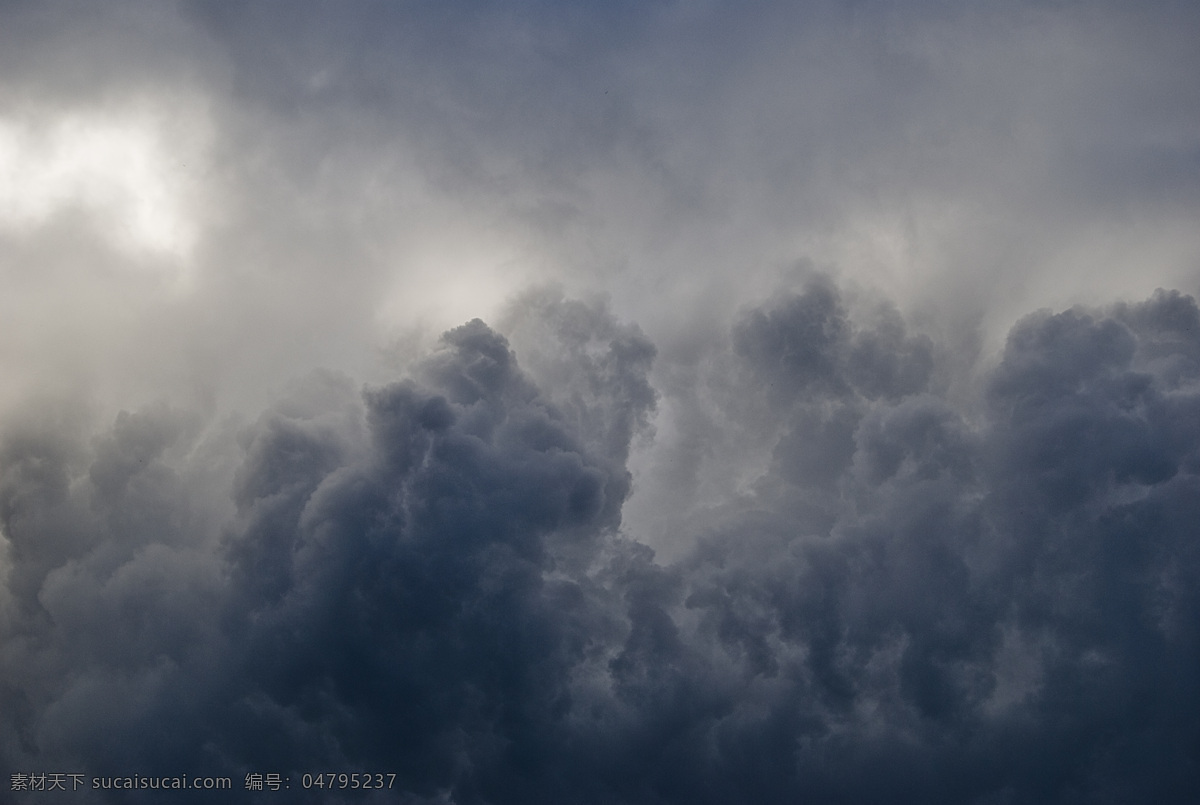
601,403
430,577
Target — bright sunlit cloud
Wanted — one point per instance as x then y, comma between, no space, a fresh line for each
452,278
117,170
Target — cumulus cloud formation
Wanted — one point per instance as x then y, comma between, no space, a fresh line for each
607,403
431,577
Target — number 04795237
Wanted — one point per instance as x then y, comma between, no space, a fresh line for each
342,781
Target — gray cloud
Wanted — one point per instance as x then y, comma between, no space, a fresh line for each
763,482
432,577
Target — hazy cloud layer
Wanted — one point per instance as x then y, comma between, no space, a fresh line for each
833,434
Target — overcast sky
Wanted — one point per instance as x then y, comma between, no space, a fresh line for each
602,402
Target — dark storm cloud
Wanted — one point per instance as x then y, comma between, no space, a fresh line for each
900,558
430,577
400,583
806,347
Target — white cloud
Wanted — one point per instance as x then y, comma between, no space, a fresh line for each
123,171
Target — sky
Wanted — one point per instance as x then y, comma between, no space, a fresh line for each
678,401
